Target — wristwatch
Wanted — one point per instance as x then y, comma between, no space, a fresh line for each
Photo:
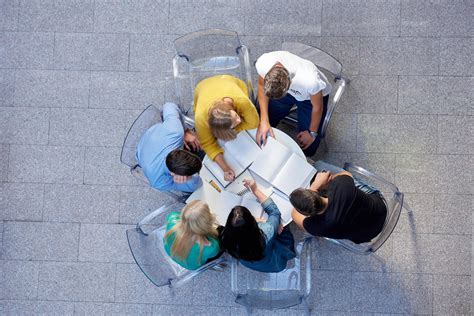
313,134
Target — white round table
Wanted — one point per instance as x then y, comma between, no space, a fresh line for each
264,186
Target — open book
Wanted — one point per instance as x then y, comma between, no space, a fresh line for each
285,170
238,153
284,206
221,203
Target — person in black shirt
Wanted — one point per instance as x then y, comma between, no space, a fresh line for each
334,207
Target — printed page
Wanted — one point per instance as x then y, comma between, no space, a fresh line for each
294,174
284,206
218,172
219,203
243,149
224,205
250,202
270,160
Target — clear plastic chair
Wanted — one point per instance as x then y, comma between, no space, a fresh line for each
204,54
331,68
290,287
147,247
393,198
149,117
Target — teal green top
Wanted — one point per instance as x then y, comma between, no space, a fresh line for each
191,262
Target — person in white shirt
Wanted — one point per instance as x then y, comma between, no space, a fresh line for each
285,80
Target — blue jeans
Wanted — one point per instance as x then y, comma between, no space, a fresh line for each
278,109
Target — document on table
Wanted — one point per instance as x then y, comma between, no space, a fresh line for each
221,203
285,170
284,206
238,153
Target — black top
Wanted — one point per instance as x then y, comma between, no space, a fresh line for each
351,214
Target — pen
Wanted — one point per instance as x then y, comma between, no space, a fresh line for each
215,186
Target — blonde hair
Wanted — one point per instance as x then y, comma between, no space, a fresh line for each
196,221
220,120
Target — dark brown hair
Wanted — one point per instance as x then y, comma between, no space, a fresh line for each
183,163
306,202
276,82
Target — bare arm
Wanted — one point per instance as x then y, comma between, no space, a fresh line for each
298,218
304,138
264,127
342,173
317,111
229,174
252,185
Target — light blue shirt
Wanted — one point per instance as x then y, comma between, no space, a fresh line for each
157,142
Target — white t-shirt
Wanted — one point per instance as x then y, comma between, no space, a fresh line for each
307,79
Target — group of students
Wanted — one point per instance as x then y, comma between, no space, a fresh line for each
171,158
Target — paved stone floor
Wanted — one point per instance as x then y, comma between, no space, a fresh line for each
75,73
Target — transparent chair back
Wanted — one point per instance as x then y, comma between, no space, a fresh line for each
287,288
150,116
330,67
393,198
148,250
204,54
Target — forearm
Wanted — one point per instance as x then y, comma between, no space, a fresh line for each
298,219
262,101
221,162
189,186
316,116
316,112
261,197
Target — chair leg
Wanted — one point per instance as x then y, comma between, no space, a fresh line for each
407,207
381,260
306,307
248,310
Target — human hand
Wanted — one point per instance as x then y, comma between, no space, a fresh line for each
304,139
191,142
264,129
280,229
260,220
229,175
180,179
250,184
322,178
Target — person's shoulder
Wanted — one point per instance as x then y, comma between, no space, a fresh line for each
343,178
313,224
173,217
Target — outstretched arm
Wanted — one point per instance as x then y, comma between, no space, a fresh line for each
264,127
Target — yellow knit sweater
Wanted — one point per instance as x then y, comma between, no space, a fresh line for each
212,89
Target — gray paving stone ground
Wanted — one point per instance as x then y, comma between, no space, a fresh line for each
75,74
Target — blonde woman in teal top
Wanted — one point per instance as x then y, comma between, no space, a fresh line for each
191,237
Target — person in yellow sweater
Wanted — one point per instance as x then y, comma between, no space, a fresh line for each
222,109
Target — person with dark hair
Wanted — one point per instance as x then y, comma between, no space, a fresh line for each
264,246
160,154
286,80
335,207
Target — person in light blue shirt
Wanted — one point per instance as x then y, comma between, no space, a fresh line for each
160,153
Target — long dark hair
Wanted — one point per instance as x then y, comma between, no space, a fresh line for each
241,237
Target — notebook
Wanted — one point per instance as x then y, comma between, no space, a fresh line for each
285,170
239,154
221,203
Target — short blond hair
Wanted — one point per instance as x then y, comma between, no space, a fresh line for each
196,221
220,120
276,82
